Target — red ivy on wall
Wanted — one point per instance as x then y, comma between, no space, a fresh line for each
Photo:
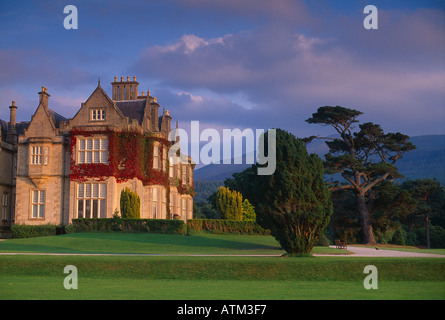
130,155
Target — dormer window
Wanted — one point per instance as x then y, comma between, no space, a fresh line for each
98,114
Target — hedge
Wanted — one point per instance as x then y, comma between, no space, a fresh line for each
226,226
129,225
31,231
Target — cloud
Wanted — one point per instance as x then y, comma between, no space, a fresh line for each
285,74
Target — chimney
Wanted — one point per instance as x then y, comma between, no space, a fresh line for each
125,90
11,135
12,114
44,96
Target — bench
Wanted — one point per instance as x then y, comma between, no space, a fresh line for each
341,245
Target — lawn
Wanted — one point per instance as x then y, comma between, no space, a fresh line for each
152,243
252,277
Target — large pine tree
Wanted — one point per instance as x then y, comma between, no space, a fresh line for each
364,158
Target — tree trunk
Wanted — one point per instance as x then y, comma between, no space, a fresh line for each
427,231
364,220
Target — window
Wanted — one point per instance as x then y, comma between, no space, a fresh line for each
164,156
91,200
172,204
155,203
155,157
36,155
38,204
92,150
184,208
39,155
98,114
171,168
5,206
184,174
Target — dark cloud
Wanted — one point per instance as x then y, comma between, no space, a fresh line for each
285,75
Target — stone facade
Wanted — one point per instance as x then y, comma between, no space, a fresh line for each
56,169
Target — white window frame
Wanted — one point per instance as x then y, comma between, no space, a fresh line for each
97,114
184,174
38,200
92,150
155,202
89,195
36,157
184,207
156,157
171,172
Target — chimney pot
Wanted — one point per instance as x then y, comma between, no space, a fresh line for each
122,79
115,79
134,78
128,78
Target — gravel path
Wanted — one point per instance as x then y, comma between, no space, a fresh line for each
372,252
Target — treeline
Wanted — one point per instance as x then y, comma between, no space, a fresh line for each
411,213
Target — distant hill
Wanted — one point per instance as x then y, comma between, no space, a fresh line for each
427,161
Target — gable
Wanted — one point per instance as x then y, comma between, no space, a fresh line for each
41,125
98,100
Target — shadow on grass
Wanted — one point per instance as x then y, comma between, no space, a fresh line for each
142,243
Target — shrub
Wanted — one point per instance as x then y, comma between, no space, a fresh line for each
226,226
229,204
323,241
129,225
30,231
130,204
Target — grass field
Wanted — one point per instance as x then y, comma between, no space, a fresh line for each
204,278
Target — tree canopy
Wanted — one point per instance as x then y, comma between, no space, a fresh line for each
364,158
294,201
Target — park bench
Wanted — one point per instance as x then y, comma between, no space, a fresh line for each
341,245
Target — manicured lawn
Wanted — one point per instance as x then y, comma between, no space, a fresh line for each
203,278
35,287
151,243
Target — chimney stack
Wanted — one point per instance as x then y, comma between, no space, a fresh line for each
44,96
125,90
11,135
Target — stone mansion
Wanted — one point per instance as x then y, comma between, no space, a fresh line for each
55,169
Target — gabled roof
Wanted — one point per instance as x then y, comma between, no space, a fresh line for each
56,117
20,127
133,109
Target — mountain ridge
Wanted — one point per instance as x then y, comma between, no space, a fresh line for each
426,161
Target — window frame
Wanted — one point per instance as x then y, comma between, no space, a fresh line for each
5,206
98,114
100,198
102,152
38,154
39,204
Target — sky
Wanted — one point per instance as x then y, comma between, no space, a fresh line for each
233,63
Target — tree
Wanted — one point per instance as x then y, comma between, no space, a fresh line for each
293,202
364,158
429,196
248,211
130,204
229,204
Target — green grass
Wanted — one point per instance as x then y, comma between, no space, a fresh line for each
142,277
46,288
151,243
198,277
